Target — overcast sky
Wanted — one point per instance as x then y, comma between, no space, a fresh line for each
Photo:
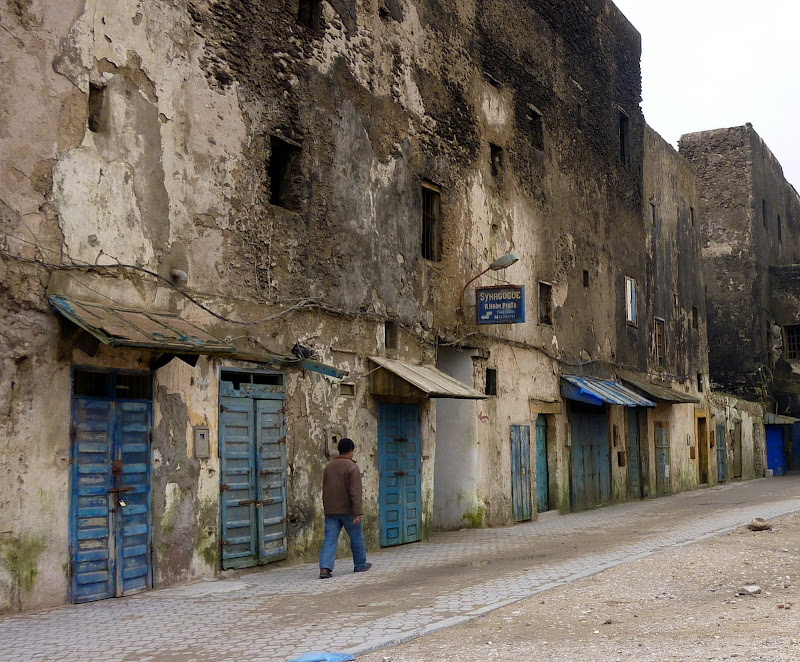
708,64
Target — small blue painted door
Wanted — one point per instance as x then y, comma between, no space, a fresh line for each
542,477
795,456
110,528
521,472
776,450
591,462
400,493
634,475
662,461
722,455
252,446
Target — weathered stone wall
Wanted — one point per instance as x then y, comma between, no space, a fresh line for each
745,418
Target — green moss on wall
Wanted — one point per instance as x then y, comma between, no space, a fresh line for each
20,558
474,517
207,543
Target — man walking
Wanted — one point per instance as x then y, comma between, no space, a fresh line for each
341,498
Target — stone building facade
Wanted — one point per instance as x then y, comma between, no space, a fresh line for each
234,232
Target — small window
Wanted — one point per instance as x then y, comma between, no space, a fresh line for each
780,229
660,343
284,174
792,341
491,382
309,13
624,139
699,382
88,383
630,301
545,303
347,390
764,213
675,302
431,224
585,278
652,214
691,215
537,129
497,158
98,116
390,335
695,318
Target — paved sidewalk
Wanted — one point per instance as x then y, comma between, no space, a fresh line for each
275,613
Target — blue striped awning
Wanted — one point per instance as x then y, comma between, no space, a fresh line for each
599,391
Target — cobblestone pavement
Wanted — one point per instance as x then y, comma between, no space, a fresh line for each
275,613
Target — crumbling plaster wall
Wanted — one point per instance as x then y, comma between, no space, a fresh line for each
728,410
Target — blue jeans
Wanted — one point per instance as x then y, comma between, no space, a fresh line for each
333,527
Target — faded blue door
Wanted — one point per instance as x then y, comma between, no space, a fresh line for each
252,446
591,462
634,464
400,494
795,456
662,461
521,472
776,450
542,478
722,455
110,528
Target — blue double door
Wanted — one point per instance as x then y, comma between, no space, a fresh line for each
110,524
400,486
252,443
590,483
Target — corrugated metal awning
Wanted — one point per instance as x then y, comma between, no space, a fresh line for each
598,391
434,383
661,392
164,332
779,419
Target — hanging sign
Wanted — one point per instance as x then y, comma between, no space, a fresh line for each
500,305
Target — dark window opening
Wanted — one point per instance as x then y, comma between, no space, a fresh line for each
691,215
661,343
792,341
97,119
496,156
390,335
624,139
695,318
347,390
134,387
652,214
675,301
585,278
309,13
431,224
545,303
284,174
764,213
537,129
699,382
239,378
491,382
780,229
268,380
91,384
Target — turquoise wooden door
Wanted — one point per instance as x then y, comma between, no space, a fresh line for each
634,463
722,455
110,523
662,462
521,472
252,446
591,461
400,490
542,477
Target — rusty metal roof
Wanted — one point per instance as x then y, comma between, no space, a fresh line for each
597,391
430,380
661,392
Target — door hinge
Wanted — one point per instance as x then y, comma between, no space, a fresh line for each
223,487
71,564
150,435
223,408
73,432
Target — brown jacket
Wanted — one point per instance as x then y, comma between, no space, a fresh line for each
341,487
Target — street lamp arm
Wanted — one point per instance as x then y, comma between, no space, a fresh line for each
472,280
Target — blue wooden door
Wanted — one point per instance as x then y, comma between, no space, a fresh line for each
521,472
110,523
591,463
795,455
722,455
662,461
252,448
542,477
634,464
776,450
400,494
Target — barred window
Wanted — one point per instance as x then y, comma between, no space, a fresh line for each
660,343
792,341
431,224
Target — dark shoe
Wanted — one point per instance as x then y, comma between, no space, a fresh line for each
324,573
364,569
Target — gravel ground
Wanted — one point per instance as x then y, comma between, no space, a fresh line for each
677,604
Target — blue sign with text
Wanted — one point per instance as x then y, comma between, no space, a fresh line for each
500,305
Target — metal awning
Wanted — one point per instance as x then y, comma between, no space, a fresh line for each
167,333
779,419
599,391
432,382
661,392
